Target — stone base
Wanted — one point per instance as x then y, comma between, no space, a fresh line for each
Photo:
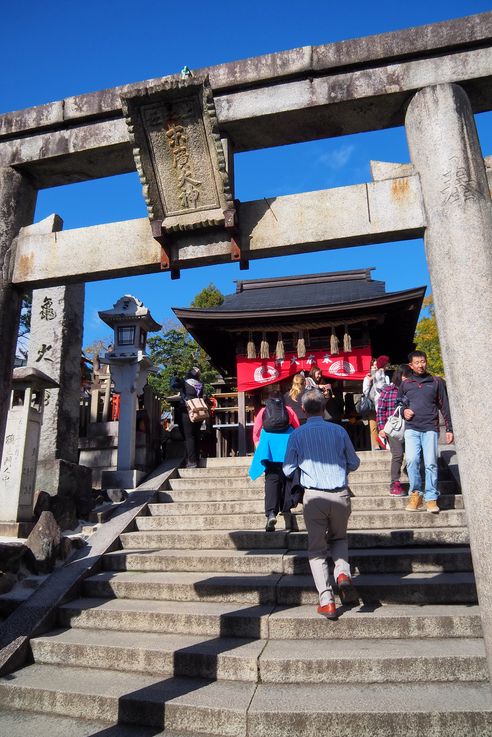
16,529
122,479
62,478
70,485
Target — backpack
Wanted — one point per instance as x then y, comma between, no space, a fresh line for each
275,417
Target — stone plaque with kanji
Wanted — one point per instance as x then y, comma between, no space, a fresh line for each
179,154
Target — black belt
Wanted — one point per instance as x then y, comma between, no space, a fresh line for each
339,488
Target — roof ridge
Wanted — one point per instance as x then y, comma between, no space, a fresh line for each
348,275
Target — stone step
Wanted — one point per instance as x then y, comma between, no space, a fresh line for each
154,653
390,621
244,488
257,539
358,520
27,724
230,619
237,482
392,560
244,589
374,538
276,661
385,710
230,561
209,522
225,472
398,519
245,461
372,560
257,505
390,588
237,709
192,705
415,588
373,661
214,619
207,539
219,495
254,505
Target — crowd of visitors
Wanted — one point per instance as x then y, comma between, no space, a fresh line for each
298,444
305,453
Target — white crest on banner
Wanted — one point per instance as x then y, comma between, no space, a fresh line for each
265,374
341,368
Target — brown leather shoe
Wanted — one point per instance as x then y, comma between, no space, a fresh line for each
328,610
346,590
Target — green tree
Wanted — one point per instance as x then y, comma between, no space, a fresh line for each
173,352
209,297
427,338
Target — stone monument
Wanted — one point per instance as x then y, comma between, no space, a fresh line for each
20,453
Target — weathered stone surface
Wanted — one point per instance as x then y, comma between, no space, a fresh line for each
446,36
58,476
17,203
42,503
44,541
446,152
178,153
388,170
64,511
55,347
14,556
335,90
359,215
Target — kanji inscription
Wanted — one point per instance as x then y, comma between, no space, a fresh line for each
179,154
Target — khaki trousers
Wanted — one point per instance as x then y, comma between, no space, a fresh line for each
326,514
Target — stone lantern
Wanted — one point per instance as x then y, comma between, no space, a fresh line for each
130,366
20,452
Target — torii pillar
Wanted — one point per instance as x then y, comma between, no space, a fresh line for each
445,150
17,204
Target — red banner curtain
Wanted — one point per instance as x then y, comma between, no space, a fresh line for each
253,373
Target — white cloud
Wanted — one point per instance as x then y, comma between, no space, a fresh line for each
338,157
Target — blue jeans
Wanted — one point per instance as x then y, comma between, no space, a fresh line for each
417,442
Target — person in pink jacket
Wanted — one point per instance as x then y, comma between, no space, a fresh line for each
272,427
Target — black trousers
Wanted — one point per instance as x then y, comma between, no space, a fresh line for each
274,488
191,434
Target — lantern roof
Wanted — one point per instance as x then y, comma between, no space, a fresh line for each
129,309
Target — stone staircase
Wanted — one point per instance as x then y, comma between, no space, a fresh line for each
204,624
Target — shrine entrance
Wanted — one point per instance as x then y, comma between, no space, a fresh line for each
181,135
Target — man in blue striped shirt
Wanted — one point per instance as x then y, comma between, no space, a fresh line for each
325,455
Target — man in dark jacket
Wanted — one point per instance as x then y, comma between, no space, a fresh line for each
422,396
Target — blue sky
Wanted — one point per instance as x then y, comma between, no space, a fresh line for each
59,49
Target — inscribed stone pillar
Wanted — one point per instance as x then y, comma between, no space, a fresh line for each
55,347
17,203
445,150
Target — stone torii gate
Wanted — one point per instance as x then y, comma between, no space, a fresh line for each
430,79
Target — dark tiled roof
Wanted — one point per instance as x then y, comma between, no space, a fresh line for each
303,291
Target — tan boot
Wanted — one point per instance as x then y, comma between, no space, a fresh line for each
415,502
432,507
